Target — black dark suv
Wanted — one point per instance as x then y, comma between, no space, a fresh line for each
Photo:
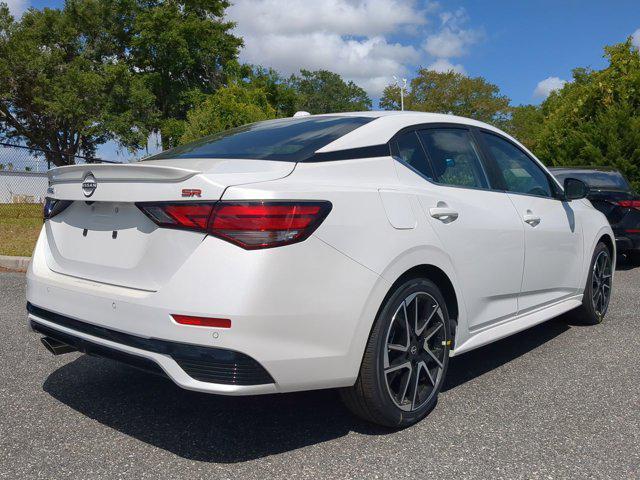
611,194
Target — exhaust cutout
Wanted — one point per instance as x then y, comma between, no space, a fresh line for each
56,347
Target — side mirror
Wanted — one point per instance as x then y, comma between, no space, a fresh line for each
575,189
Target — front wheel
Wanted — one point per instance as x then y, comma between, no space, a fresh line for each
406,358
597,292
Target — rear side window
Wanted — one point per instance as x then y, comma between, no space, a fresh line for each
454,157
407,147
520,173
287,139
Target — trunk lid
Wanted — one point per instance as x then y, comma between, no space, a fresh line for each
102,236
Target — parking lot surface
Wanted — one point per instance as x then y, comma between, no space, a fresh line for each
557,401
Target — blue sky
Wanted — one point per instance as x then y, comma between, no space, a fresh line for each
514,44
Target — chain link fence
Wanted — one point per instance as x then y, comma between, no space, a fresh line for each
23,178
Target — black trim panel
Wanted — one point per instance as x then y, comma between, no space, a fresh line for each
351,154
207,364
91,348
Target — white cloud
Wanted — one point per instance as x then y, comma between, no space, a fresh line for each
449,43
343,17
452,40
635,38
443,65
17,7
344,36
349,37
548,85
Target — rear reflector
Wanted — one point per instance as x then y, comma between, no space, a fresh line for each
202,321
250,225
630,204
633,230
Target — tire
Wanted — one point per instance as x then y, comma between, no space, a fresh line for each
594,306
377,396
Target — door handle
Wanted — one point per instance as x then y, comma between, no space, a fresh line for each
531,219
444,214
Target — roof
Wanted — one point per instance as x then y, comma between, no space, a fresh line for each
388,122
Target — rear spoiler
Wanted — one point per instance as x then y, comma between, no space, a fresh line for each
127,172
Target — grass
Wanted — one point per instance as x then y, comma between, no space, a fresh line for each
20,224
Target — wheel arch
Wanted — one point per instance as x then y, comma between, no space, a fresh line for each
440,278
606,236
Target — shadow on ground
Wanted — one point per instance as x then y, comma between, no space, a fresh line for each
212,428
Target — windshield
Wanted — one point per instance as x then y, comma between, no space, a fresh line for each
285,139
595,178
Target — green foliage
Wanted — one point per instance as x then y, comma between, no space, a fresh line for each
322,91
58,93
525,124
178,49
98,70
595,119
453,93
229,107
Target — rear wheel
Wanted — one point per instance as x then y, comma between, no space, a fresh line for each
597,292
406,358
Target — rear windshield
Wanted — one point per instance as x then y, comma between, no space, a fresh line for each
595,178
285,139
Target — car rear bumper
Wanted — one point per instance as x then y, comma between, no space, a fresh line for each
627,241
301,313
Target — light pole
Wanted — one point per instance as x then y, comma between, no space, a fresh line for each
403,87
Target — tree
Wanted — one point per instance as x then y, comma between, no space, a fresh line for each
59,94
322,91
453,93
179,48
595,119
525,124
229,107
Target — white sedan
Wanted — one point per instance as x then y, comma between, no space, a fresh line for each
357,251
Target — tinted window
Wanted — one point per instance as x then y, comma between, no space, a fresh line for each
408,148
454,157
595,178
287,139
521,174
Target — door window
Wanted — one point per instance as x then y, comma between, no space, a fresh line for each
520,173
408,148
454,157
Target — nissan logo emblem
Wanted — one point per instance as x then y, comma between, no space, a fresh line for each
89,184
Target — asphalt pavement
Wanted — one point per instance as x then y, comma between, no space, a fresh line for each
557,401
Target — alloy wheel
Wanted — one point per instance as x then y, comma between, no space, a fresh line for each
415,351
601,283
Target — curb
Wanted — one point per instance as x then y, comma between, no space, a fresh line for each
19,264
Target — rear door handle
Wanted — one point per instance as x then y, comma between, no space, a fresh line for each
444,214
531,219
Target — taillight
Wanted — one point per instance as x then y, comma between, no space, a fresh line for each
630,204
250,225
53,207
187,216
202,321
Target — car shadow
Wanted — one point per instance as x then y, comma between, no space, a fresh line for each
199,426
482,360
221,429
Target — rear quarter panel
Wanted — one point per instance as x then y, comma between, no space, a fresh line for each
360,228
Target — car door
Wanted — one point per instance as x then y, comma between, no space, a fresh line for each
553,239
477,227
